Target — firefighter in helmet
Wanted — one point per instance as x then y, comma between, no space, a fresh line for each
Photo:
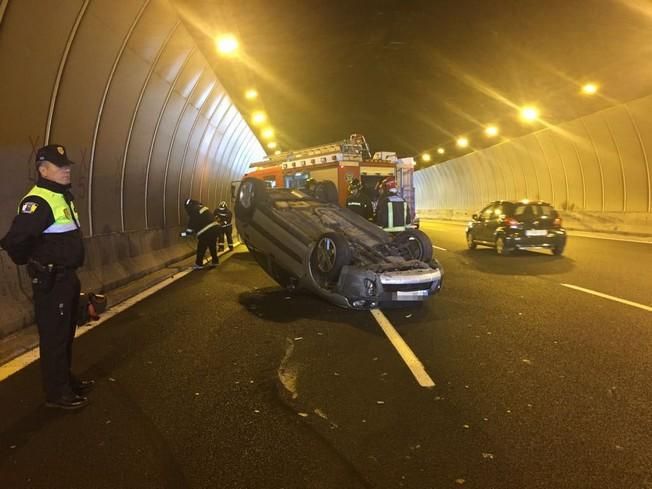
201,224
358,201
392,212
223,216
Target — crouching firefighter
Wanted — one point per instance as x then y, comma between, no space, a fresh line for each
202,225
223,216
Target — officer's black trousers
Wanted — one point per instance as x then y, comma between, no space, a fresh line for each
56,319
207,240
225,231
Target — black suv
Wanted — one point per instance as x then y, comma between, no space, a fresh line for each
511,225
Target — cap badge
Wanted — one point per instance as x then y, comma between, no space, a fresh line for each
60,150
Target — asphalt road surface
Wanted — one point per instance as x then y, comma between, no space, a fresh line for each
223,380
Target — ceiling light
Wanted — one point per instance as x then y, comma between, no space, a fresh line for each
491,131
226,45
529,113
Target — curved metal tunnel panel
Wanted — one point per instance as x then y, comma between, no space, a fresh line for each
123,86
595,169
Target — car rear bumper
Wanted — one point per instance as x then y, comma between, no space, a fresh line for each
553,238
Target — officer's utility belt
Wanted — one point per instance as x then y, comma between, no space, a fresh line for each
44,276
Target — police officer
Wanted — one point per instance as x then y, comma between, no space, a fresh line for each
392,212
46,236
202,224
223,216
358,201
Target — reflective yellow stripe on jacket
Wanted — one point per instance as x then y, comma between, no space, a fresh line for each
63,220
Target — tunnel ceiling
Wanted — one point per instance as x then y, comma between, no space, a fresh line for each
413,75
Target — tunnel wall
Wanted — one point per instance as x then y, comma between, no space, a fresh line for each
595,170
123,86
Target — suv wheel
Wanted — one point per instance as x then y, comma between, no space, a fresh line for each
329,255
500,246
558,250
416,245
470,242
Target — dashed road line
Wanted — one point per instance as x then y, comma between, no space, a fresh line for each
610,297
439,248
406,353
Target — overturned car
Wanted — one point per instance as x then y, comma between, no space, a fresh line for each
302,242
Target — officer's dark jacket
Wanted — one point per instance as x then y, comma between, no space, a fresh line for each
360,203
223,216
200,219
26,239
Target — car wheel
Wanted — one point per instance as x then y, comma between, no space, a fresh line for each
558,250
250,193
329,255
501,249
469,241
415,243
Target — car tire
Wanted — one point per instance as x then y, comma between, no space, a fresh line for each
558,250
417,243
250,192
470,242
330,254
501,249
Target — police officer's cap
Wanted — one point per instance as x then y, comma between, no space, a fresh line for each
55,154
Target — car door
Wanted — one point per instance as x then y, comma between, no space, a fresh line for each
480,229
493,221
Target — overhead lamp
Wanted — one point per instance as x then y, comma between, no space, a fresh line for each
272,145
462,142
251,94
441,151
529,113
426,157
268,133
491,131
227,45
589,89
258,117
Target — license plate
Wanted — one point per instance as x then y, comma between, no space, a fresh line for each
411,295
536,232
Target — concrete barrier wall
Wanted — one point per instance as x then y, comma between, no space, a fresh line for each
124,87
594,169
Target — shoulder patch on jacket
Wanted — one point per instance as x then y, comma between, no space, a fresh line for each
29,208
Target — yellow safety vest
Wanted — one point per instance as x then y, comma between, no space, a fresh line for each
64,221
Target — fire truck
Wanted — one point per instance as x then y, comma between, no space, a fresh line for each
339,162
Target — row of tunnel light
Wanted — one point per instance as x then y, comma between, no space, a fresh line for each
527,114
228,46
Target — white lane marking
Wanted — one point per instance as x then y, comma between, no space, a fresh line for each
580,234
408,356
439,248
610,297
32,355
